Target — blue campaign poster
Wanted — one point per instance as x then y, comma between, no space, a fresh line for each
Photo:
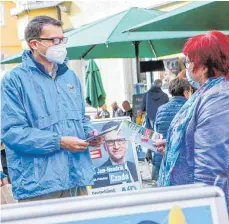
114,160
100,161
193,215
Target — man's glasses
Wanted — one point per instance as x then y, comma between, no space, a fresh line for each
120,142
56,40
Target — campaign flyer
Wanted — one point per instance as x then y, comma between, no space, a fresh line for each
138,134
115,161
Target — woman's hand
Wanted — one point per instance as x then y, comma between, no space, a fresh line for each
4,181
160,143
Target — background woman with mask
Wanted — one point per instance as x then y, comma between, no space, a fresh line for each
181,90
197,143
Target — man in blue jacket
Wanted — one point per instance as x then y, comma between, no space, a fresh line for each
153,99
43,123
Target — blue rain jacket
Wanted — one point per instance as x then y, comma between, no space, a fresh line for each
36,112
206,158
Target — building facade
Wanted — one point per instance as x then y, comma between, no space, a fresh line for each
118,75
9,42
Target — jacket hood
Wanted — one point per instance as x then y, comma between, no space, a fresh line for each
155,89
156,93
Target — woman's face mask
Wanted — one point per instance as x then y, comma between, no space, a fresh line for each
189,68
190,79
194,83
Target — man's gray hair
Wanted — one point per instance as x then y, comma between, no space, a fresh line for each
34,27
158,82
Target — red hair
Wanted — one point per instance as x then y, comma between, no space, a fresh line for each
210,50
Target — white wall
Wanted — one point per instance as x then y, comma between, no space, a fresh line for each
91,10
113,79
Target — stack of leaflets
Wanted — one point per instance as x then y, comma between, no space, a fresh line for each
138,134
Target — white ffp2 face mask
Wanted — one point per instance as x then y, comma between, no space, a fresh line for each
56,53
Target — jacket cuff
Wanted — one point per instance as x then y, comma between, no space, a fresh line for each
57,143
2,175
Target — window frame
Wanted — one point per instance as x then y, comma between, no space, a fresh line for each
2,14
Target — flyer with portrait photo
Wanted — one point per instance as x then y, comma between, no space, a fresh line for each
115,161
138,134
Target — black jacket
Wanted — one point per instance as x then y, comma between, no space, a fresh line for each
153,99
129,113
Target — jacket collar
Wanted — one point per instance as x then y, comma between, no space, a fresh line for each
28,60
178,98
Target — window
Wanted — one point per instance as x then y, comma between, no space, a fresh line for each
2,20
2,67
22,23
